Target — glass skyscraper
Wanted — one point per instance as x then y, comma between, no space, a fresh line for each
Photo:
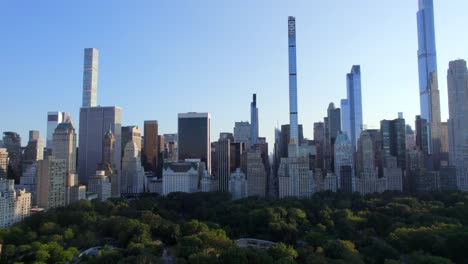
294,131
352,106
427,66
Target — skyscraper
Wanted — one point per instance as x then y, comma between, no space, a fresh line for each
53,120
254,120
51,182
94,123
293,122
4,160
393,135
64,145
194,137
150,145
352,106
90,77
457,86
427,66
34,151
12,142
223,152
344,163
242,133
132,172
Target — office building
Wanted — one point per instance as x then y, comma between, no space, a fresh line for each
183,176
332,127
171,147
53,120
351,107
319,138
427,66
29,179
64,145
344,162
150,146
34,151
410,137
367,180
12,142
51,182
14,204
131,133
90,77
94,123
223,151
194,132
285,139
293,120
133,174
295,178
393,174
242,133
4,160
457,86
256,174
393,135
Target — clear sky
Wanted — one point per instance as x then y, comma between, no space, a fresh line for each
163,57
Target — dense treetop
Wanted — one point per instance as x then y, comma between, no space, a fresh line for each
202,228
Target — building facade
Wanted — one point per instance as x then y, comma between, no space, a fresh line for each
293,120
133,174
14,204
254,120
182,176
51,183
242,133
90,77
352,122
150,146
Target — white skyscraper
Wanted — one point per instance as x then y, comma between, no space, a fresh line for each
133,174
90,77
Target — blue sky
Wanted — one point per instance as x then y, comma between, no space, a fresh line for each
160,58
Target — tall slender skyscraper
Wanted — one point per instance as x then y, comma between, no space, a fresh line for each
427,65
150,145
90,77
294,130
352,106
254,120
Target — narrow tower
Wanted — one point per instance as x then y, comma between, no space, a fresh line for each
254,120
90,77
294,131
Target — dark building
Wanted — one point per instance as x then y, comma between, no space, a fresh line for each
422,140
12,142
286,137
194,137
346,178
150,145
393,134
223,153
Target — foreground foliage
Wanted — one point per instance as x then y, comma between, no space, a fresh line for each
202,227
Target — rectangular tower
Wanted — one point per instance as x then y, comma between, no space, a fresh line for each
254,120
194,137
294,130
90,77
150,145
354,107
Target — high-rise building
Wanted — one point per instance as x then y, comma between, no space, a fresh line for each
171,148
90,77
351,107
293,121
100,184
34,151
4,160
51,182
367,180
53,120
64,145
194,131
319,138
332,128
242,133
133,174
223,151
422,140
254,120
14,204
393,134
285,139
150,146
108,146
344,162
238,185
94,124
256,174
12,142
295,178
457,86
131,133
393,174
427,66
410,137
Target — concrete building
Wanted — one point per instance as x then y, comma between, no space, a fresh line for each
4,160
182,176
344,163
457,86
51,183
330,182
393,174
34,151
100,184
242,131
95,122
194,132
131,133
90,77
133,174
53,120
29,179
295,177
256,174
12,142
64,145
238,185
14,204
368,180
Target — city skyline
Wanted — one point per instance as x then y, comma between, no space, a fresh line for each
224,120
